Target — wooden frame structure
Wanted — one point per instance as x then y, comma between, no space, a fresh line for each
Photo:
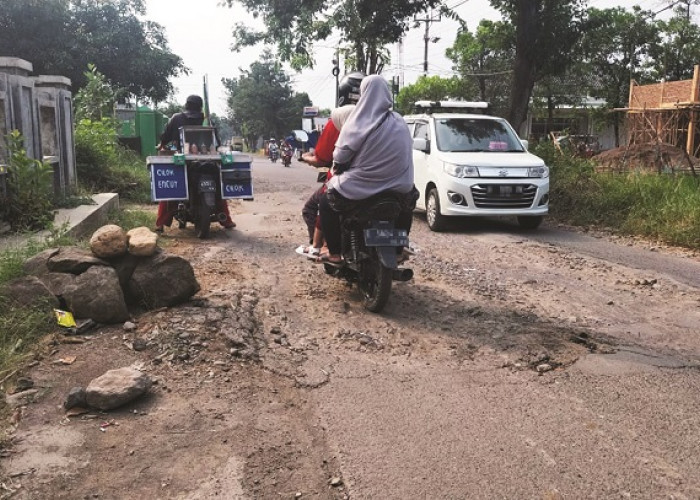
666,112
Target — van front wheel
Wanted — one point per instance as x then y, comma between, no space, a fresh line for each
436,221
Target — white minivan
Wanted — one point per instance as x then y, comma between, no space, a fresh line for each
468,163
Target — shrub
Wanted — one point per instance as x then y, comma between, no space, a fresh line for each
104,165
29,188
660,206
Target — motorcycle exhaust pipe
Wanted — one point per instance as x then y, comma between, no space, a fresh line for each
221,216
402,274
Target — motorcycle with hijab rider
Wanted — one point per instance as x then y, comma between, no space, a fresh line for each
367,210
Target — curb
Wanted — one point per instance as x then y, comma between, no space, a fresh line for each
86,218
77,221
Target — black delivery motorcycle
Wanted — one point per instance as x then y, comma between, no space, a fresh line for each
198,178
205,192
371,247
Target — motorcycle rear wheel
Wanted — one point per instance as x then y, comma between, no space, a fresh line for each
375,284
202,220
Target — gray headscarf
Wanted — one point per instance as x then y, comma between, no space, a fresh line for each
375,142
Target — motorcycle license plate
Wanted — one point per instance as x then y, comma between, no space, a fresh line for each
207,186
386,237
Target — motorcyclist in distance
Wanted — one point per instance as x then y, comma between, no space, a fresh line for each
272,148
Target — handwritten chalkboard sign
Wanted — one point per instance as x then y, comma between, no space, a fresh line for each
168,182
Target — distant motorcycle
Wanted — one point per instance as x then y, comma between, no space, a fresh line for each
274,154
287,156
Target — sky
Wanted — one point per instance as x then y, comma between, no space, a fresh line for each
202,37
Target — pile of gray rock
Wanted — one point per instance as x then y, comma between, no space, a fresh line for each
120,269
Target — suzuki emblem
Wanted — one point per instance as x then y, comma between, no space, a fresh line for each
503,173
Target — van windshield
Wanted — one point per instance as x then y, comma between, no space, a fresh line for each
474,134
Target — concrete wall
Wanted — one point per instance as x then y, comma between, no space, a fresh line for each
41,108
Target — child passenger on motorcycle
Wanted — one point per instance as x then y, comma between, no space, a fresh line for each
192,115
348,94
373,154
322,157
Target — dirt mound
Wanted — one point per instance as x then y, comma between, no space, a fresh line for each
646,158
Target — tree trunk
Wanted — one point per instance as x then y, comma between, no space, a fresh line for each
361,63
524,69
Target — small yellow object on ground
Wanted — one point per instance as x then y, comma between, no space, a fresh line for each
64,318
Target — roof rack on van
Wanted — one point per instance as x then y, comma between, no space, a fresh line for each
473,107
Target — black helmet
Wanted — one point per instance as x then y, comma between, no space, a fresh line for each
193,103
349,88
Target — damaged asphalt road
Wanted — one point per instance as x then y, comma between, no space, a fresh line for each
514,365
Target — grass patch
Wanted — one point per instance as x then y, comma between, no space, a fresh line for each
11,259
132,216
21,327
664,207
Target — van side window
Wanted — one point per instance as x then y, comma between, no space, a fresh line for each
421,131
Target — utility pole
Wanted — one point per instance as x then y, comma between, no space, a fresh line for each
401,65
428,20
336,73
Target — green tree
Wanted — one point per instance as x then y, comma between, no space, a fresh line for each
96,99
366,26
546,31
430,88
261,101
679,51
484,60
616,49
170,108
62,37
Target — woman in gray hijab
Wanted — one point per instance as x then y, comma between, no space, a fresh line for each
373,154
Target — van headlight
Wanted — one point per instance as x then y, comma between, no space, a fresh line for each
460,171
541,172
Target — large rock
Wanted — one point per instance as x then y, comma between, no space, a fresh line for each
60,284
125,266
77,398
109,241
116,388
162,280
96,294
28,291
38,265
73,260
142,242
